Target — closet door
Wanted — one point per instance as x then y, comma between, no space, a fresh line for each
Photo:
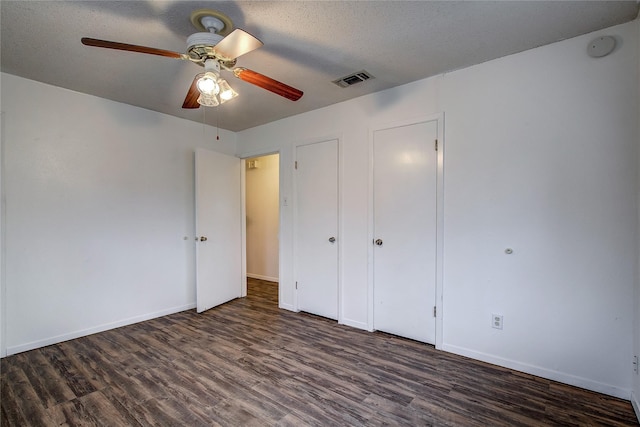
317,237
404,180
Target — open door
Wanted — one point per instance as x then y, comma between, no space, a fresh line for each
218,229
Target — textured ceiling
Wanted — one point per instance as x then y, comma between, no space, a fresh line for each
307,44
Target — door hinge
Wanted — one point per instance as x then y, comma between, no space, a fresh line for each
635,364
296,165
296,285
434,311
436,144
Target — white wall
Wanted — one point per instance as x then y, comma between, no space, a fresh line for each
263,217
540,156
99,212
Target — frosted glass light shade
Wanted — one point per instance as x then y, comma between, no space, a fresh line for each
226,92
208,100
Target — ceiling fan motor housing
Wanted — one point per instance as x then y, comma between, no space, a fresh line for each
200,45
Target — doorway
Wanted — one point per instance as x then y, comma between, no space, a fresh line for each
262,187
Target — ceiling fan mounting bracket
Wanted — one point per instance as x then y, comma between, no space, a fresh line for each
207,19
212,24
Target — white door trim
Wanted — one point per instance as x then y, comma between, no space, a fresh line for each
243,227
439,118
3,269
294,192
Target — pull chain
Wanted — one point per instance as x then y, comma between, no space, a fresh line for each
204,123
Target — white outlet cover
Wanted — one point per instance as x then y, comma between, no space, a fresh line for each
496,321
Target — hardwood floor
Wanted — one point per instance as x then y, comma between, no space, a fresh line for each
248,363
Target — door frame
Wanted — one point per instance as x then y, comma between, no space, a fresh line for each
243,227
3,266
294,150
439,119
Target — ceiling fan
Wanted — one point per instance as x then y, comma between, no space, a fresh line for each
217,48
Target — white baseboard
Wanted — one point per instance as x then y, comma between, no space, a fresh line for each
89,331
581,382
260,277
636,404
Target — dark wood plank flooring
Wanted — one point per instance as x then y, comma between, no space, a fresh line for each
248,363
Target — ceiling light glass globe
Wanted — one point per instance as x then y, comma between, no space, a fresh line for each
226,92
208,84
208,100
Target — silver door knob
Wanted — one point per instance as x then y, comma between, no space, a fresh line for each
378,242
203,239
332,239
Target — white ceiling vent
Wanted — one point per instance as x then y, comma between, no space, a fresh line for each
354,78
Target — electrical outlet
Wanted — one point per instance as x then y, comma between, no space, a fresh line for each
496,321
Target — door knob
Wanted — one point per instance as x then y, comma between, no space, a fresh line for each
332,239
203,239
378,242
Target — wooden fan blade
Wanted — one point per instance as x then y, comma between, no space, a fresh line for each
191,100
132,48
236,44
268,83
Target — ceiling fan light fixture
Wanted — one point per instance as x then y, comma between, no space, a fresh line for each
226,92
208,84
213,89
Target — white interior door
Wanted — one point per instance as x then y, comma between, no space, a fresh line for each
218,229
317,237
404,283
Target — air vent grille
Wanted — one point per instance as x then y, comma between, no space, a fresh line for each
354,78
